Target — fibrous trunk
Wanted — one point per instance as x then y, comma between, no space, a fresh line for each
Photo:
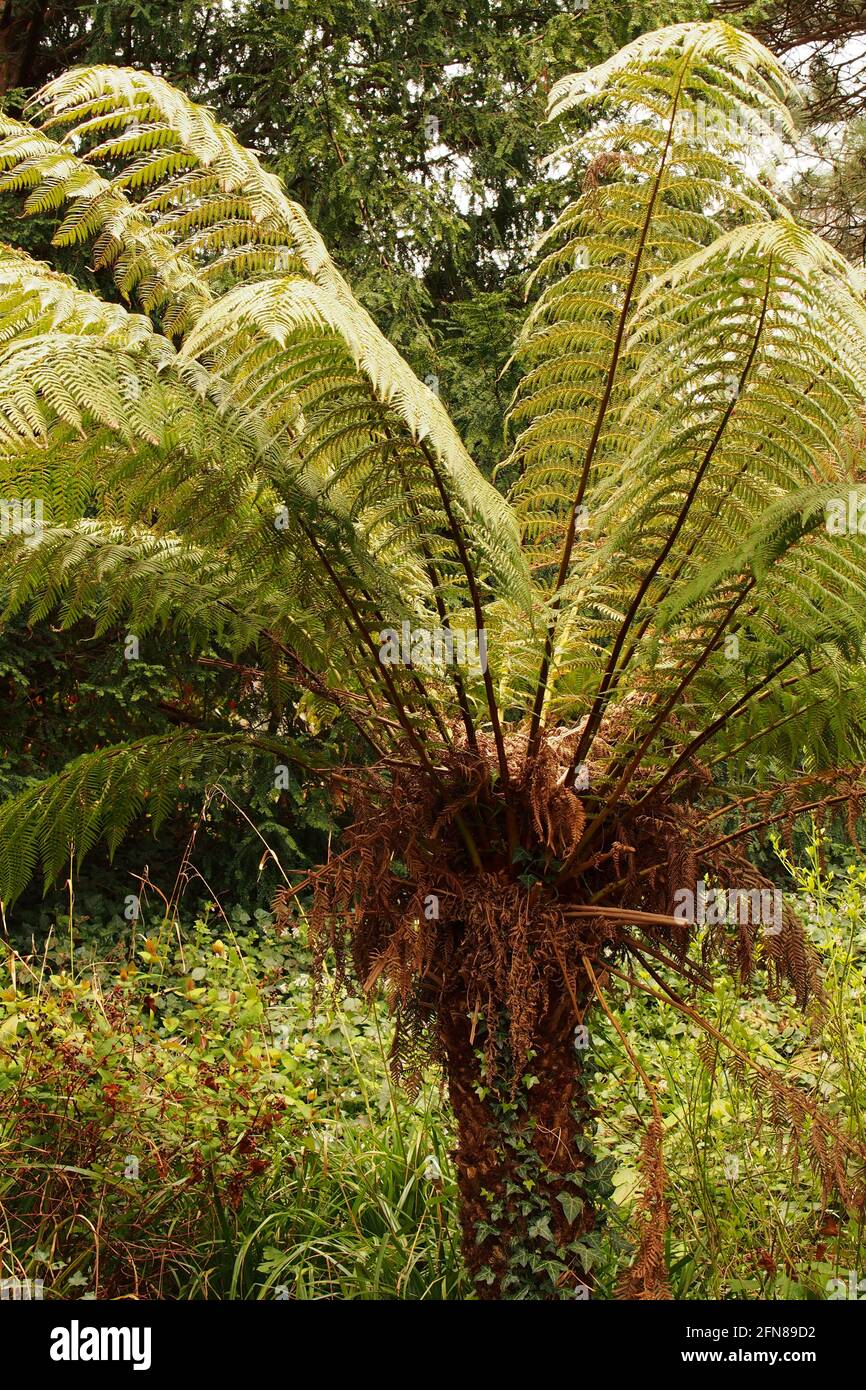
528,1196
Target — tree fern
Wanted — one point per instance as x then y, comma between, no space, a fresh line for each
674,629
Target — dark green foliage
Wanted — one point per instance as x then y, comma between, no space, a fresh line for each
69,693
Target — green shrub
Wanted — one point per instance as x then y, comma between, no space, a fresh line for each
178,1120
179,1124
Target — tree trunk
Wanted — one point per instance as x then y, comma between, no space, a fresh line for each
528,1200
21,28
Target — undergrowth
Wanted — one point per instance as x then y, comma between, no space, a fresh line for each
178,1120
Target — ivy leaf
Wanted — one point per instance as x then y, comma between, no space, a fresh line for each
571,1205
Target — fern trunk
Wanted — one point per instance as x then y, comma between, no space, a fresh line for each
528,1194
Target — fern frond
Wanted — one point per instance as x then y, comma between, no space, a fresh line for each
97,796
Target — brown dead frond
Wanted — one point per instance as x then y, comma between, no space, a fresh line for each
427,900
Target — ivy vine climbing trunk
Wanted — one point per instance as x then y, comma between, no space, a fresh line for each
529,1197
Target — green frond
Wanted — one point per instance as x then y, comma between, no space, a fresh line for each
181,170
98,796
124,239
716,49
659,186
149,582
708,574
363,429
